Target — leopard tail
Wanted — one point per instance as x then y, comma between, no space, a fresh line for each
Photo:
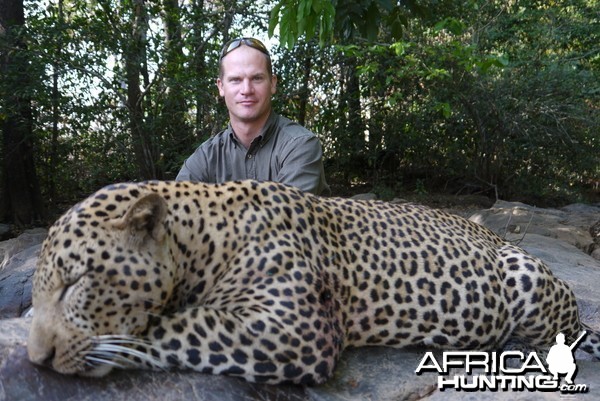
591,341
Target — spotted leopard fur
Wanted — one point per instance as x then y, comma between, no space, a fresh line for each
265,282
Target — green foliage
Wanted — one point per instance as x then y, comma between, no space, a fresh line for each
483,96
87,45
492,97
302,17
341,20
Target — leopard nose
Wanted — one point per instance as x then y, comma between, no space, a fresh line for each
40,349
47,361
43,358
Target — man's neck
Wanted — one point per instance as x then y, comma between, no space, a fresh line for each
246,132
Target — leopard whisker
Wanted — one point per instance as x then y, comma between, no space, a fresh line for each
121,352
93,361
117,360
120,339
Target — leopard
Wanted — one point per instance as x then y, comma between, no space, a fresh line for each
261,281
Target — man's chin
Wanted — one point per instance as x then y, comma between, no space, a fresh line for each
248,116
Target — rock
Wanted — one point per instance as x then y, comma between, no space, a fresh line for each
20,256
15,283
4,231
365,196
376,373
595,234
14,246
514,220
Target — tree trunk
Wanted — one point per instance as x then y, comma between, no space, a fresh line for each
305,90
355,120
351,136
135,60
172,119
202,98
205,99
55,111
22,201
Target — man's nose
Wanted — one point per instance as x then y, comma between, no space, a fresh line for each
247,86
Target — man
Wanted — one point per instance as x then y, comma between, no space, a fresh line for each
258,143
560,358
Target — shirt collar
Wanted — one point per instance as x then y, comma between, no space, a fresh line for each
266,132
269,128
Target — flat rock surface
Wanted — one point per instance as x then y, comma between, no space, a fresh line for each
515,220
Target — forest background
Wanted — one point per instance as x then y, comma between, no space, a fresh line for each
496,97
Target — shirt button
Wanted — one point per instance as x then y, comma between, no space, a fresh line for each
249,157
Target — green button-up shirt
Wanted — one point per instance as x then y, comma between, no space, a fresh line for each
284,151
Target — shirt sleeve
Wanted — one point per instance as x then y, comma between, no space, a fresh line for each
302,165
195,168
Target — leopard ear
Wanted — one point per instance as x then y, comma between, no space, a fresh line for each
145,220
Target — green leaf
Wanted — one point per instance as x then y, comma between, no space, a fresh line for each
491,61
452,25
326,23
274,19
311,28
399,47
307,10
445,108
371,24
317,7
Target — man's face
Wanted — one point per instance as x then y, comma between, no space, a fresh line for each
246,85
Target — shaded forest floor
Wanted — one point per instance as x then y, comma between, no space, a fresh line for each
459,199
